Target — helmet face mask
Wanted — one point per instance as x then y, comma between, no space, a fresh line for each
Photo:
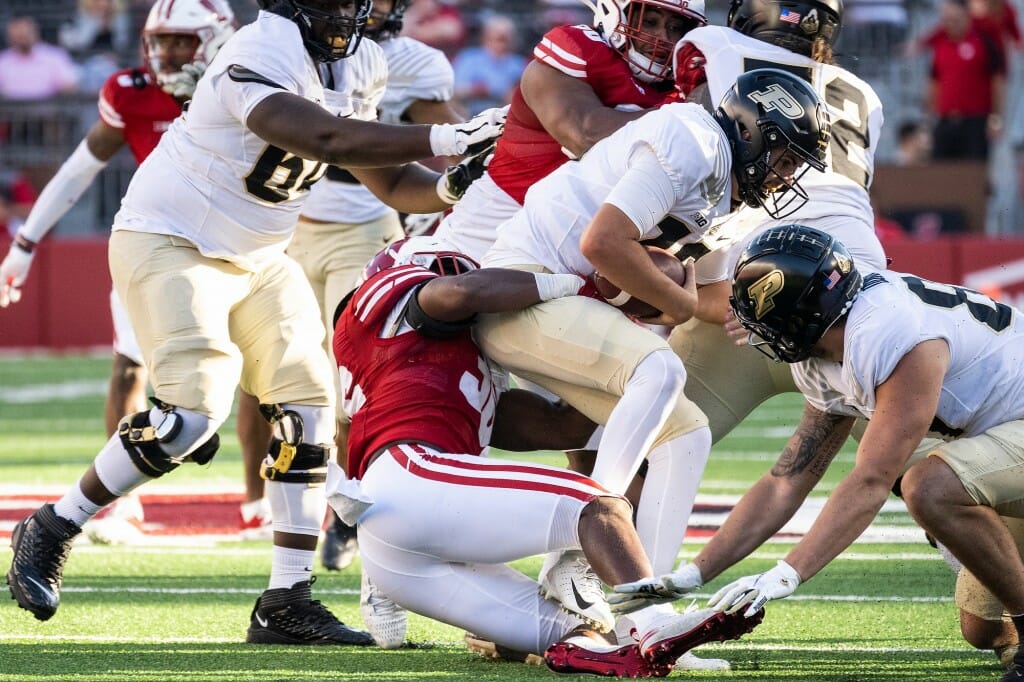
384,26
771,119
331,29
209,23
791,285
646,31
426,251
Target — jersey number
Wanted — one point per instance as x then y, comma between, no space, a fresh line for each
848,132
279,175
997,316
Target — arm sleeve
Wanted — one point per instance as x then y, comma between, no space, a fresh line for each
61,193
645,192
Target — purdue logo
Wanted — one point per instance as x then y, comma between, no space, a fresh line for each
775,98
763,292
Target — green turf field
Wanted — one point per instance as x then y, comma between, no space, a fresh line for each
881,612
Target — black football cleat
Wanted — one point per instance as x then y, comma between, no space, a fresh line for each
1014,674
41,544
292,616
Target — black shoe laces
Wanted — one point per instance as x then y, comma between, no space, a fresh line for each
43,550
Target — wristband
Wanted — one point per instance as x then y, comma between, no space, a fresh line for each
25,244
551,286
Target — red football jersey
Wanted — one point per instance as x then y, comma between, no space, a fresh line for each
133,103
526,152
408,387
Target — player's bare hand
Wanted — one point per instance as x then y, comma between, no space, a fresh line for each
735,330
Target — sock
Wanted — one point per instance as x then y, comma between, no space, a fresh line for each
76,507
290,566
670,489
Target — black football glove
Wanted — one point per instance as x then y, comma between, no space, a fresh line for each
455,180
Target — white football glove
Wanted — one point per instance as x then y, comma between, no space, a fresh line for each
13,271
471,137
182,85
756,590
629,597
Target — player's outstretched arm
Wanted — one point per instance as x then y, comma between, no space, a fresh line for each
60,194
761,512
492,290
308,130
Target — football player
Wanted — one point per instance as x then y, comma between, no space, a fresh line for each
663,177
341,227
917,359
136,106
197,257
727,381
584,82
423,405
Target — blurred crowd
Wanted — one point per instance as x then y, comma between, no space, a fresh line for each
52,67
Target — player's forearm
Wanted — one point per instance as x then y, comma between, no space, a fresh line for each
849,511
61,193
761,512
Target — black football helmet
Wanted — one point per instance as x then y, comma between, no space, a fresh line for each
390,25
768,109
791,284
792,24
328,31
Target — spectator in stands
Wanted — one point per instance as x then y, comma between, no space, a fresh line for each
967,87
914,141
873,26
31,69
99,26
437,23
999,19
97,37
486,76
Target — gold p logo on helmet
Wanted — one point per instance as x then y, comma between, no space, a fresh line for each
763,292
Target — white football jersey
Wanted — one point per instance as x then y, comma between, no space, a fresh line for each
415,71
214,182
984,384
692,154
839,201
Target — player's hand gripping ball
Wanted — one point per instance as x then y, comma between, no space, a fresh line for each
632,306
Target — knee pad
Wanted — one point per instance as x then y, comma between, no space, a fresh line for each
291,459
156,449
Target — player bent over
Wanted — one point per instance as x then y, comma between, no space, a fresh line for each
422,404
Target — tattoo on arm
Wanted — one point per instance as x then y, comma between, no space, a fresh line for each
817,440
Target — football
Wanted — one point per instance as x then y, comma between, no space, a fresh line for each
666,262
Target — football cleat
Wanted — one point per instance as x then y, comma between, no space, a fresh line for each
691,661
339,545
1014,674
671,635
255,522
386,620
291,616
488,649
573,584
41,544
582,654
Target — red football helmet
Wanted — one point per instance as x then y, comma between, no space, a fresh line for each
429,252
212,22
623,24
